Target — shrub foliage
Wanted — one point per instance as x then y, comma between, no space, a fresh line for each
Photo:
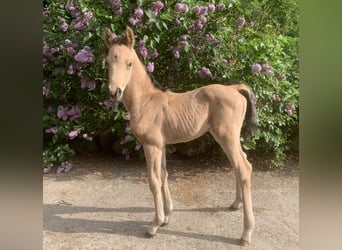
184,45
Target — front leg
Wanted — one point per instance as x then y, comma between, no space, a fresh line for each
153,157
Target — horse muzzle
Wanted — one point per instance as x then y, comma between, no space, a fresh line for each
116,95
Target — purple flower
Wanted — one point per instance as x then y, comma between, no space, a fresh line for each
196,10
133,20
68,43
138,12
202,19
181,7
154,53
126,139
86,83
64,167
251,24
203,10
184,43
266,66
256,68
52,130
72,10
137,147
240,22
290,108
107,104
80,26
157,5
177,21
281,77
204,72
87,137
176,53
224,61
150,67
71,70
143,52
220,6
70,51
128,128
46,90
141,44
73,134
118,11
211,8
126,152
269,72
88,16
85,55
115,3
127,117
63,25
62,113
74,113
275,98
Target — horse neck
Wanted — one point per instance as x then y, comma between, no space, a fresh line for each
138,90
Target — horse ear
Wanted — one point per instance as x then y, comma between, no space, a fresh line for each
108,37
130,37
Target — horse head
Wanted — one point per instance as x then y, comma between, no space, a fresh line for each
120,59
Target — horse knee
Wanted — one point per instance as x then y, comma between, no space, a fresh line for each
154,184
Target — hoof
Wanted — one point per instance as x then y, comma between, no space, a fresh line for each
149,235
232,208
244,243
164,224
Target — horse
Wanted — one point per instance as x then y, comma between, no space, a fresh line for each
159,118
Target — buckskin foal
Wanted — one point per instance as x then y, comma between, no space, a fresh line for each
164,117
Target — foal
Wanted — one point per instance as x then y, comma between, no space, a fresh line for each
163,117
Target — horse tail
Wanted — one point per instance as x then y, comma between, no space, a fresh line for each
251,112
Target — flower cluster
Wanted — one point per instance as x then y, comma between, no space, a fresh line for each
204,72
116,8
85,55
129,138
76,103
87,83
290,108
137,18
264,68
241,22
156,7
64,167
71,114
182,7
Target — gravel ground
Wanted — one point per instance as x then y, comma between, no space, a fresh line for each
104,202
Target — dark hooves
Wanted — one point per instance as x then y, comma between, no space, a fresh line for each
148,235
244,243
232,208
164,224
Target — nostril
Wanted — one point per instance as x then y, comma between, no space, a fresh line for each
118,92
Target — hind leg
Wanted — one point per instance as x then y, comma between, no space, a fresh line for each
167,201
232,148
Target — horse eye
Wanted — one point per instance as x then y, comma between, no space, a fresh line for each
129,65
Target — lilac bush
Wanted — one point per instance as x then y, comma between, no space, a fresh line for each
184,45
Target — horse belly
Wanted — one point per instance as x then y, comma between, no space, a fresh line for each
183,130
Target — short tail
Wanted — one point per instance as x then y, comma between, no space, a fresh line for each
251,112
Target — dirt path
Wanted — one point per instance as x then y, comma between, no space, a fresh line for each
105,203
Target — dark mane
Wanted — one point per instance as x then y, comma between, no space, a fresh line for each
156,84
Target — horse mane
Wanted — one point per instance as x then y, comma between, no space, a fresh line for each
156,84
